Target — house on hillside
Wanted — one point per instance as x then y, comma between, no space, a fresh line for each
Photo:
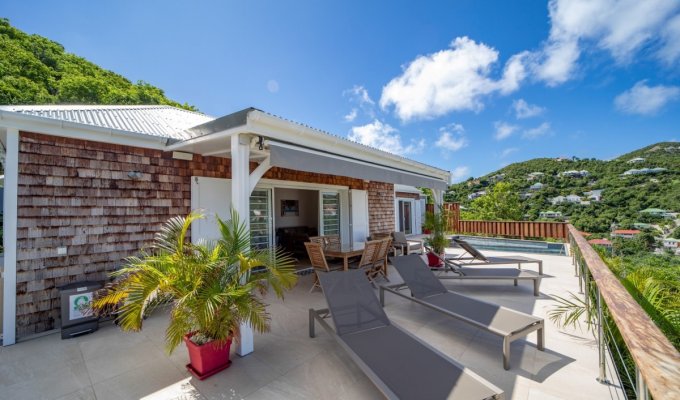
672,244
658,212
476,195
601,242
644,171
525,195
625,233
594,195
635,160
87,186
550,214
535,175
572,198
574,174
536,186
497,178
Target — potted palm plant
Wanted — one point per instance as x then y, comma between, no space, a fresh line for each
438,223
211,288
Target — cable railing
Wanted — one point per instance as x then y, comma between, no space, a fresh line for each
645,361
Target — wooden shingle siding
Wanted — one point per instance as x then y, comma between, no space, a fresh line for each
380,207
77,194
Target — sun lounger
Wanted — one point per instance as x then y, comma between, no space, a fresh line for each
398,363
477,258
428,291
462,271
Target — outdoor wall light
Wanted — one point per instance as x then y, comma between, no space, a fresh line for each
135,175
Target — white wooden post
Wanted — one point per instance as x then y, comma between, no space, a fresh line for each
240,201
9,303
438,195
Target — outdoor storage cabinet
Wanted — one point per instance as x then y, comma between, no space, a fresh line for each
76,314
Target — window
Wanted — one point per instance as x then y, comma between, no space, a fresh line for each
330,214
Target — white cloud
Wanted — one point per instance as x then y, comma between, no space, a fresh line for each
508,151
460,174
351,116
451,138
620,27
526,110
454,79
670,50
384,137
504,130
359,97
536,132
646,100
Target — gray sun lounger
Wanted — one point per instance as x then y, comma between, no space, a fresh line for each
398,363
428,291
462,271
477,258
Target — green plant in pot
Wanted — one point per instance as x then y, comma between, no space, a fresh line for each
211,288
438,224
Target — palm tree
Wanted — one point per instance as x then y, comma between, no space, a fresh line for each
212,286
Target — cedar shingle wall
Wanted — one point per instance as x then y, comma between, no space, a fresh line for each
77,194
380,207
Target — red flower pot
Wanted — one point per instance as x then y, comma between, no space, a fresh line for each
207,359
433,261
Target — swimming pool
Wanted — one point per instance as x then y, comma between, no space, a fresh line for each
522,246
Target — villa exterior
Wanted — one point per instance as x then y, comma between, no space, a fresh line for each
87,186
625,233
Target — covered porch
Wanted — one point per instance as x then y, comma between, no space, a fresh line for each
110,364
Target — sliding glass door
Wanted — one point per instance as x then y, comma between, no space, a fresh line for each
406,216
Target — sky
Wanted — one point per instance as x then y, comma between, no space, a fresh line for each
466,86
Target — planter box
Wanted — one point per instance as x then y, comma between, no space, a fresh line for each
433,261
207,359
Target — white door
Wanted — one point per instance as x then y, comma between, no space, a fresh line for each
261,219
418,216
359,215
405,220
213,196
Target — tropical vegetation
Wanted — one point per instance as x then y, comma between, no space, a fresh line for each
211,287
623,196
36,70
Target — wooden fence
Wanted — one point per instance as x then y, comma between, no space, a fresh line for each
517,229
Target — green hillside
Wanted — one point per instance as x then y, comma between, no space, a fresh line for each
623,197
36,70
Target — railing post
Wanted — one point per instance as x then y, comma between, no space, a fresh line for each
602,377
641,387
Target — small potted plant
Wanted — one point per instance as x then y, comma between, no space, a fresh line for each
210,287
437,223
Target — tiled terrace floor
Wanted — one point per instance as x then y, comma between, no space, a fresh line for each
287,364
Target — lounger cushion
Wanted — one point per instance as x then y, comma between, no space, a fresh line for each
405,364
500,319
421,281
351,297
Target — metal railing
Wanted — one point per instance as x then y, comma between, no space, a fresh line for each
645,361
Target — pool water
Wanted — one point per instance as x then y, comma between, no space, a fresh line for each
521,246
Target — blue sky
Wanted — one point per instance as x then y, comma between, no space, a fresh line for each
468,86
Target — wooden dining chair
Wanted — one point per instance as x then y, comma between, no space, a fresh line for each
368,258
332,240
380,264
318,260
318,239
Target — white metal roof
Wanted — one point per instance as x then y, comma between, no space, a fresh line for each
156,120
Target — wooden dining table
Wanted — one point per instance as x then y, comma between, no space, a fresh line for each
344,251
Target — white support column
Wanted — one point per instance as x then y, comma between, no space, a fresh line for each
10,237
240,201
438,195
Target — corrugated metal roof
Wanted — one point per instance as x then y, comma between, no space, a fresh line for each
156,120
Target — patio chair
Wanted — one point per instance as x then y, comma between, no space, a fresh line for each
428,291
400,365
368,259
317,239
318,260
332,240
407,246
380,263
477,258
462,271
